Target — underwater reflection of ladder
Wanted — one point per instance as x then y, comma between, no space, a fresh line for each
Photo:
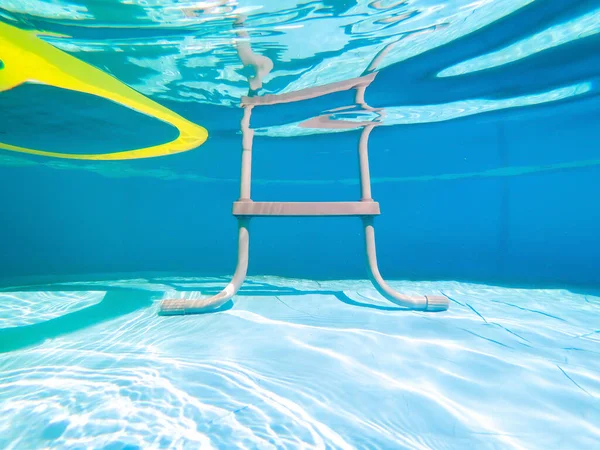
366,208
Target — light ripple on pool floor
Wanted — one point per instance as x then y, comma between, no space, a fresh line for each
26,308
305,364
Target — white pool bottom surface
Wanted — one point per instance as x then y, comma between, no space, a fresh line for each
299,364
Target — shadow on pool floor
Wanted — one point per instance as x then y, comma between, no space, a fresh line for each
115,303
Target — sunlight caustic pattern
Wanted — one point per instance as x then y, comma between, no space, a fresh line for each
416,381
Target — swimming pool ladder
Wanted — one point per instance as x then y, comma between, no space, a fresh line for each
244,209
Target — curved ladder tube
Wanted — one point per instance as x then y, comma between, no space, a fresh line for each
428,303
172,307
416,302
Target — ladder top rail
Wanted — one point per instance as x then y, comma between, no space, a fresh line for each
308,93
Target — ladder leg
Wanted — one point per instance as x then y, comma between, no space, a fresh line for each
182,306
417,302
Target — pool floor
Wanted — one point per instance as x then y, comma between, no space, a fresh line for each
298,364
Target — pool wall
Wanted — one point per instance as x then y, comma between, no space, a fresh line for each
508,197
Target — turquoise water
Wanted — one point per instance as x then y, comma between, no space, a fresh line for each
483,130
486,117
298,364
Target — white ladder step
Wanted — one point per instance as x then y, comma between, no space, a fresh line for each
305,209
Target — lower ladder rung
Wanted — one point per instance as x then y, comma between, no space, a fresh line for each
303,209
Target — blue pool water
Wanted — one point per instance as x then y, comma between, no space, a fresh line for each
483,146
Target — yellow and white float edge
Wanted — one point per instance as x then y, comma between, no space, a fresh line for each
27,58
